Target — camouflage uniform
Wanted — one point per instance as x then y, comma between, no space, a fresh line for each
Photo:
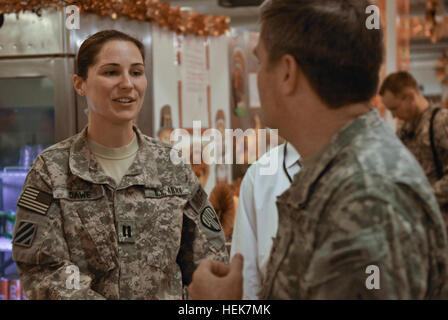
141,239
416,136
364,201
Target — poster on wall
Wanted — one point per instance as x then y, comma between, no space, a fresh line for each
239,82
221,168
194,81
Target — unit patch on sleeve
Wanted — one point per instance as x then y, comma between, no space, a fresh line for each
25,233
199,200
35,200
210,220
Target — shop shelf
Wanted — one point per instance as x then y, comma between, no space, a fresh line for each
5,244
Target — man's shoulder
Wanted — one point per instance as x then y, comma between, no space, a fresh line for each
377,162
440,121
381,153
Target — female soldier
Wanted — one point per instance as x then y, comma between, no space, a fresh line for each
105,214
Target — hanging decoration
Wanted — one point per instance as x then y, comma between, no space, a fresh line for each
432,26
162,13
442,69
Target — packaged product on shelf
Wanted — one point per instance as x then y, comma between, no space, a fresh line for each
15,289
9,223
2,223
4,289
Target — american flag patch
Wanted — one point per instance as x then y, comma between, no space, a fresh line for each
35,200
25,234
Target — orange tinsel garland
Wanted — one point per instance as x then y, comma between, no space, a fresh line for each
144,10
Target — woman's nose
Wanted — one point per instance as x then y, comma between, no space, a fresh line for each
126,81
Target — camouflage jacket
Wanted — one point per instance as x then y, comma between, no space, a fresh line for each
364,202
416,136
141,239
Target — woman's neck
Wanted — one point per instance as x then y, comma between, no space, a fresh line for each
109,134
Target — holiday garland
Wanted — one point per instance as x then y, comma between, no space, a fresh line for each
163,14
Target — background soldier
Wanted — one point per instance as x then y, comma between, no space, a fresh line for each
424,130
361,199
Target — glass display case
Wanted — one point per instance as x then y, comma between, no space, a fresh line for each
27,126
38,104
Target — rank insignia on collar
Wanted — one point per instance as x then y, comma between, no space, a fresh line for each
35,200
126,231
25,233
210,220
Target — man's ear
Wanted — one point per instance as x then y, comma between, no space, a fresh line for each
79,85
289,71
409,94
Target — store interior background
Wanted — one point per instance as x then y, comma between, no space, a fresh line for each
416,39
424,55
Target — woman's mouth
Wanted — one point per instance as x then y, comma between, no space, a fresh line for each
125,100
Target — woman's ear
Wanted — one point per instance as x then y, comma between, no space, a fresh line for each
79,85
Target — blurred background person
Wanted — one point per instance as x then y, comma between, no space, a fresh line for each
424,130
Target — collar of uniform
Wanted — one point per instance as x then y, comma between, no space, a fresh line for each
425,117
143,170
292,156
82,162
303,182
414,127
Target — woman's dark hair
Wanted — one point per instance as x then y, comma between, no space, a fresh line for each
92,46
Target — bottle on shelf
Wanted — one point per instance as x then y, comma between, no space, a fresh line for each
15,289
4,289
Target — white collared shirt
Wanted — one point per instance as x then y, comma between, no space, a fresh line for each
257,217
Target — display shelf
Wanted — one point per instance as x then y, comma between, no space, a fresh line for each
5,245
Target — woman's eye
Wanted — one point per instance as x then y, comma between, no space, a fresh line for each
137,73
110,73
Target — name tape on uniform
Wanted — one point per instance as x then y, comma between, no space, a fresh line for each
35,200
166,192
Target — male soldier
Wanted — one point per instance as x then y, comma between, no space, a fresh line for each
424,130
361,202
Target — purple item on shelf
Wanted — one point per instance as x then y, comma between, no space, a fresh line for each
28,154
13,179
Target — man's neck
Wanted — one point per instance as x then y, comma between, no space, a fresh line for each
422,106
309,137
